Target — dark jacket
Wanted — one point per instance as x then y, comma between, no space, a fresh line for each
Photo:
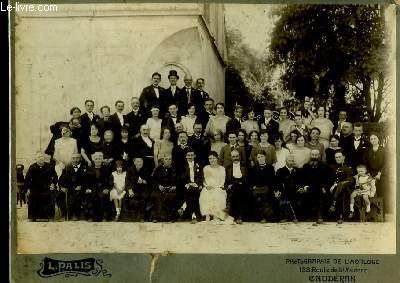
201,147
133,122
354,156
261,176
179,98
39,178
229,179
86,122
116,125
198,175
288,182
70,179
148,98
272,128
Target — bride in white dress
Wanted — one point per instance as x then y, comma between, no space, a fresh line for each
213,196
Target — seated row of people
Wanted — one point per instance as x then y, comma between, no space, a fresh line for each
191,191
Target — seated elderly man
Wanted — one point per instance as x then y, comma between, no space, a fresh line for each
40,182
73,183
97,202
311,197
288,180
164,196
138,186
341,185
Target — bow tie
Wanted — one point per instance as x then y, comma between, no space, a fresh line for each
173,116
355,139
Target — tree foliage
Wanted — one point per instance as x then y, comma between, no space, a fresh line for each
333,49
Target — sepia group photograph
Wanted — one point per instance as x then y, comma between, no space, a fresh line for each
203,128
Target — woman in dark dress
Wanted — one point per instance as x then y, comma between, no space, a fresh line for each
374,159
332,149
40,182
125,147
92,144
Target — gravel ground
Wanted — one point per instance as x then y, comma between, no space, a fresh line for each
110,237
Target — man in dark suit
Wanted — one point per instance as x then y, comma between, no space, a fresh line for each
225,154
138,186
191,181
117,119
152,95
268,124
192,96
287,182
235,124
74,180
311,198
200,83
179,151
208,112
354,145
135,118
89,117
171,119
239,194
341,184
200,144
174,94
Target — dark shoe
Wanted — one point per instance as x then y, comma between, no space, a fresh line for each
74,218
194,221
239,221
340,221
351,215
295,220
263,221
320,221
332,208
283,221
154,221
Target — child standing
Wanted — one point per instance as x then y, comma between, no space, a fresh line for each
118,192
365,187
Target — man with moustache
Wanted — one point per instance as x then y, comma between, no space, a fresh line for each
117,119
192,95
152,95
135,118
138,186
88,117
191,181
73,182
201,145
355,145
239,194
312,196
208,112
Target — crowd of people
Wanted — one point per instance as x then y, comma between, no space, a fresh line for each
177,156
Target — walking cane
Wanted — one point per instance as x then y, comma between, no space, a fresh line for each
290,205
66,203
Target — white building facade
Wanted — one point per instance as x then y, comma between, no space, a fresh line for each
107,52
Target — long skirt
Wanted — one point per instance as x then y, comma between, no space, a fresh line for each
213,202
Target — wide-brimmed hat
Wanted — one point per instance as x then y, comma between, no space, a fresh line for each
173,73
